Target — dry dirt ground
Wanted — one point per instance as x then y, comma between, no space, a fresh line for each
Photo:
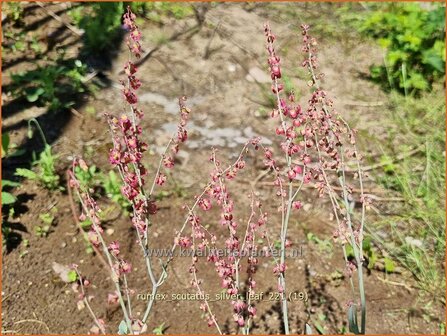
212,66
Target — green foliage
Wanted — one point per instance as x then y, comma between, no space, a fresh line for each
7,146
13,11
100,22
15,41
88,178
389,265
324,245
159,330
47,220
72,276
420,181
46,172
8,198
50,85
414,37
156,10
370,252
112,186
122,328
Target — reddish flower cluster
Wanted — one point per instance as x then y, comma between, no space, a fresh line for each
228,265
133,40
181,136
316,142
91,210
291,116
334,142
128,148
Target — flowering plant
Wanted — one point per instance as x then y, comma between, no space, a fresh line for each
126,156
315,143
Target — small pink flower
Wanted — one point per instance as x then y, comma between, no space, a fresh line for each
93,237
182,135
307,178
112,298
268,154
114,157
73,183
279,89
185,242
238,306
114,248
132,142
129,192
124,122
252,283
297,205
239,319
135,35
168,162
125,267
281,268
279,130
130,96
298,169
252,311
135,83
152,208
291,174
135,47
275,71
83,165
138,327
240,164
161,179
297,123
205,204
130,69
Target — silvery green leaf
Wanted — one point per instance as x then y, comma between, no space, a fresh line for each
122,328
352,318
308,329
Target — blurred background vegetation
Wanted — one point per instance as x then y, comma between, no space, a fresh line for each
412,36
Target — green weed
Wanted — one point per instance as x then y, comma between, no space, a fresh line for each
46,171
417,226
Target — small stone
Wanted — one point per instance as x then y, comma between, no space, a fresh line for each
255,74
110,231
307,207
231,67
